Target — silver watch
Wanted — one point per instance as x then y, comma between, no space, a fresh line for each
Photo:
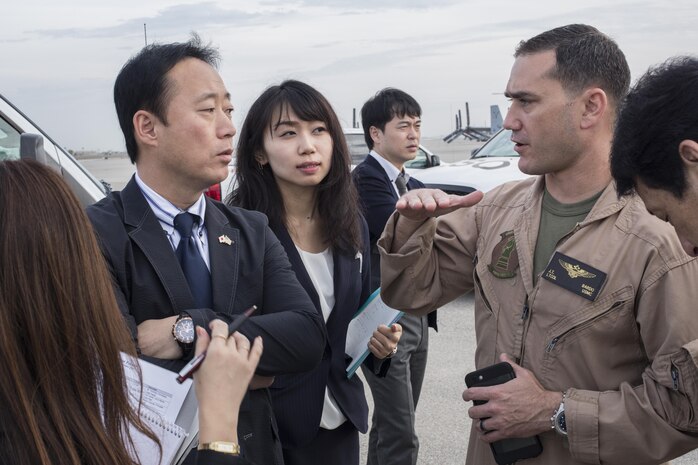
557,421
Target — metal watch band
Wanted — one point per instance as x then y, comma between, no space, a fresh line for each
221,446
557,421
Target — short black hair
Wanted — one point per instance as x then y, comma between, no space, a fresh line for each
142,83
383,107
584,57
658,114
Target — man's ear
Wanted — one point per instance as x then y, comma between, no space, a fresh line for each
375,134
688,150
595,103
145,128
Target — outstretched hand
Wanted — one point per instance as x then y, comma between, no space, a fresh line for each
519,408
420,204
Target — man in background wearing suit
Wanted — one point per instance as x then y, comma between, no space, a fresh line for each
179,259
392,122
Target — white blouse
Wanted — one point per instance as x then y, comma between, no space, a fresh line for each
320,268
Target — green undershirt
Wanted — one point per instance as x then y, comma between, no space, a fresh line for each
557,220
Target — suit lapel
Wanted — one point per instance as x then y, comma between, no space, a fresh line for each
377,166
414,184
297,264
145,231
344,285
224,255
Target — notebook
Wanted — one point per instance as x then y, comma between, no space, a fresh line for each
170,409
371,314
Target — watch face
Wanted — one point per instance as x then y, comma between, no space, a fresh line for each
561,423
184,331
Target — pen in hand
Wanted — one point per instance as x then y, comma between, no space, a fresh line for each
194,364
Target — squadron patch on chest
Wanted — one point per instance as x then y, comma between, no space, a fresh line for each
505,258
575,276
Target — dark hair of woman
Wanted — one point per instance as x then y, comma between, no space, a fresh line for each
337,199
62,385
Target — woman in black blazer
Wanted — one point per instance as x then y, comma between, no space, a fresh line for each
293,165
63,395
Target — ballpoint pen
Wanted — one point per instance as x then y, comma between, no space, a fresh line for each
195,363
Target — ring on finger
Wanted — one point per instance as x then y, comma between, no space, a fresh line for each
392,352
482,426
220,336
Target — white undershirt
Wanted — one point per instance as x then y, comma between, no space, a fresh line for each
320,268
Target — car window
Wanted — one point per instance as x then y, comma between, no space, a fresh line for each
500,145
9,141
420,161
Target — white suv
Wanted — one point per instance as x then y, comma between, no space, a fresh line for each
21,138
493,164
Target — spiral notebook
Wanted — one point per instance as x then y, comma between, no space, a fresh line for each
170,410
171,438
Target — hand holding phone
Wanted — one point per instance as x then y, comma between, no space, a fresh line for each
505,451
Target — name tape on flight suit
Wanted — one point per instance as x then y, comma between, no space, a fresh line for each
575,276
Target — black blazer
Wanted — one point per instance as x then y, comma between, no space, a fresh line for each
253,270
378,199
298,399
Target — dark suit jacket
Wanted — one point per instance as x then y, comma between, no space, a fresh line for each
378,199
298,399
207,457
253,270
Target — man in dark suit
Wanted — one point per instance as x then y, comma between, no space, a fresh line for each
391,122
179,259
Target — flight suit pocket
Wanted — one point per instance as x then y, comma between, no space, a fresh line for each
575,347
676,391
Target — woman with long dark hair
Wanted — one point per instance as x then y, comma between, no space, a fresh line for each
63,395
293,165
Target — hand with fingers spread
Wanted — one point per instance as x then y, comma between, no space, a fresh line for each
420,204
223,380
383,343
519,408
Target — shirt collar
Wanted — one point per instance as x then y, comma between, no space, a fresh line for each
164,210
388,167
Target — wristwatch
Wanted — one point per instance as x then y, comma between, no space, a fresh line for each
183,332
557,421
221,446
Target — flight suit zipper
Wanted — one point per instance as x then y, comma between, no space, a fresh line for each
553,342
674,377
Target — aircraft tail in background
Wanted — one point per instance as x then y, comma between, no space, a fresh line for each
480,134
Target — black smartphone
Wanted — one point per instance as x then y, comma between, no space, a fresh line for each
505,451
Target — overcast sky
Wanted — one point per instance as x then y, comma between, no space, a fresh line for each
59,59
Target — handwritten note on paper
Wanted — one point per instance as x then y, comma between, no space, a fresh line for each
373,313
163,408
160,394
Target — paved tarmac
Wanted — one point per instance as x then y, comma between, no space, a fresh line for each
442,422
